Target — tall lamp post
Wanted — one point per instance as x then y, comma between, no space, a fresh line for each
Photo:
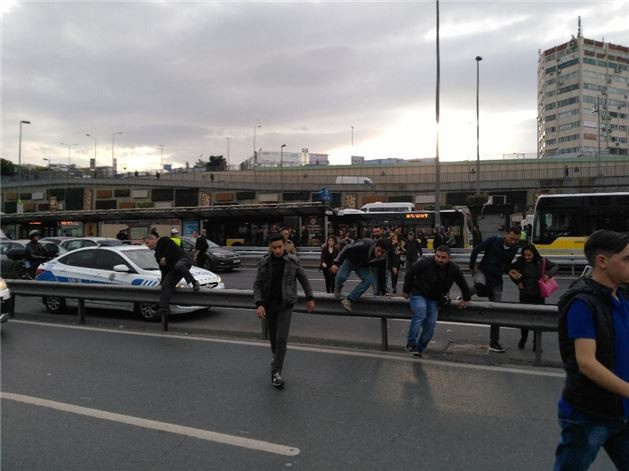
95,141
255,157
19,158
114,164
228,139
282,170
68,146
161,157
598,138
352,127
478,59
437,166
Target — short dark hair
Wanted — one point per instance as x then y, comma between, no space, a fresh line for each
383,244
275,237
443,248
606,243
515,229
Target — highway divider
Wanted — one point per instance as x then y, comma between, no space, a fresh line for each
538,318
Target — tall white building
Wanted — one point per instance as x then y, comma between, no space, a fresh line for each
582,104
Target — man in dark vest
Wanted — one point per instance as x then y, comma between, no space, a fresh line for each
594,344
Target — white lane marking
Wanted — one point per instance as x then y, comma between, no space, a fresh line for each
394,356
201,434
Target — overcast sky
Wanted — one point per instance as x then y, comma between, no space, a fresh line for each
188,75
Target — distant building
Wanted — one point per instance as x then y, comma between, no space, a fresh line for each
286,159
582,102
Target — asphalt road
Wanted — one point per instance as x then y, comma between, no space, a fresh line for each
87,398
457,342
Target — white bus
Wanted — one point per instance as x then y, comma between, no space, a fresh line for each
388,207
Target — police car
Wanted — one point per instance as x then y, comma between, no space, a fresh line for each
121,265
5,299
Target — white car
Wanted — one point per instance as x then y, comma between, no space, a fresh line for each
5,298
122,265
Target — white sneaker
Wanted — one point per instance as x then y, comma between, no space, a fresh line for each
347,304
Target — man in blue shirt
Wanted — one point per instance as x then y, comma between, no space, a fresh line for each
594,343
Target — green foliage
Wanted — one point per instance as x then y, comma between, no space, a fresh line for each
7,168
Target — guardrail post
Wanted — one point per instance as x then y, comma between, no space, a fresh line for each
164,320
385,333
11,307
537,335
81,311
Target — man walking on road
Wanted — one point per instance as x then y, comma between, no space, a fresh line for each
358,257
174,264
275,294
498,255
200,249
594,344
425,285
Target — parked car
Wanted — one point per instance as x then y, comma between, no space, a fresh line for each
218,258
74,243
12,254
122,265
5,299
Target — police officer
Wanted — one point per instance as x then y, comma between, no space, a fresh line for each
34,253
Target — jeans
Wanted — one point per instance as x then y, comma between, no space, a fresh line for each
425,312
278,320
364,273
581,438
493,287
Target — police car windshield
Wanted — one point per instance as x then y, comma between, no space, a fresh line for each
143,258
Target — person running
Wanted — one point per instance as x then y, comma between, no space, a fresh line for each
425,284
413,248
498,255
358,257
594,343
275,294
525,273
395,259
328,253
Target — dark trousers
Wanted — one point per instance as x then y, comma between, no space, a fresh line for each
172,277
329,280
278,324
394,279
526,299
493,291
201,260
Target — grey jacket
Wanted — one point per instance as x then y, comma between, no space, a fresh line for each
293,271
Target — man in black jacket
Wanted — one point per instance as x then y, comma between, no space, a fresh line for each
426,283
174,264
358,257
34,252
275,294
594,344
498,255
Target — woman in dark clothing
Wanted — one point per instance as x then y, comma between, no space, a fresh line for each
525,272
395,259
413,250
328,253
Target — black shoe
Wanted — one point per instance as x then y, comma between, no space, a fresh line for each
417,354
521,344
409,348
496,348
196,286
276,379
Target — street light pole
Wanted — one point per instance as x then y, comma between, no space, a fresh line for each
478,59
161,157
228,139
68,146
352,136
89,135
437,166
49,175
282,171
255,157
113,155
598,139
19,158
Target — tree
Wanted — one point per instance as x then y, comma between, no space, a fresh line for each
217,163
7,168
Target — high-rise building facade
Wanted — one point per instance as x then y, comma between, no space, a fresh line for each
582,104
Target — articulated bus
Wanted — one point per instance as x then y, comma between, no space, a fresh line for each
361,222
565,221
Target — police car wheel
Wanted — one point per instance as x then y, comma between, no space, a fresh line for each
54,305
147,311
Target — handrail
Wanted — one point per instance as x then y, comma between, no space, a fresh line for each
539,318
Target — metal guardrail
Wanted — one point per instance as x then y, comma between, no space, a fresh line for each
538,318
572,262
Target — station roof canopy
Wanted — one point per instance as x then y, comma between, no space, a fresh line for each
268,210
